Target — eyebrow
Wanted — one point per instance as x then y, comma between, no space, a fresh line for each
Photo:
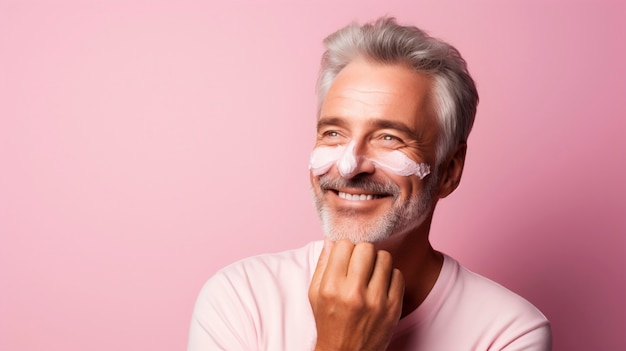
387,124
330,121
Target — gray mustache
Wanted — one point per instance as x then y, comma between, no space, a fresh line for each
364,183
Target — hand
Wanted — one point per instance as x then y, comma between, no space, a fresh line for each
356,297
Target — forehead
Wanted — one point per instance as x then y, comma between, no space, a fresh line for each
365,90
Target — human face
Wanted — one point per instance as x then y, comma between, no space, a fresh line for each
377,108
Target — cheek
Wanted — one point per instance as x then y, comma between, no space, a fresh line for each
411,190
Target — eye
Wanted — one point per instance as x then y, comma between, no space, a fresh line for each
330,134
389,137
331,137
388,141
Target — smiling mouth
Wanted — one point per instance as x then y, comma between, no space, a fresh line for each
358,197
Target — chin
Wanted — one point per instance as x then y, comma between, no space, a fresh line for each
356,238
357,230
393,224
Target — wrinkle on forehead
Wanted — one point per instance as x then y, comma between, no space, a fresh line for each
373,90
363,105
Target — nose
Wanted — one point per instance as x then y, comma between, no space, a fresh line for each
353,161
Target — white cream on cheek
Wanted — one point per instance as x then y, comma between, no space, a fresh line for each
400,164
324,157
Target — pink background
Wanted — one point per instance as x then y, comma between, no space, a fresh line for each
146,144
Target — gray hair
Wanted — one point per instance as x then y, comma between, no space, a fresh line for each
385,41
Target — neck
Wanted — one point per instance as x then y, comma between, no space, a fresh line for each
419,263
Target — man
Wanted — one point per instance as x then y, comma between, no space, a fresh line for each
395,110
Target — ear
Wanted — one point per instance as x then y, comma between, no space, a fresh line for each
451,170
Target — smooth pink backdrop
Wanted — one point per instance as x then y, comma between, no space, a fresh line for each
146,144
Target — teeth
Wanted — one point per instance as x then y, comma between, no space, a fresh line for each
357,197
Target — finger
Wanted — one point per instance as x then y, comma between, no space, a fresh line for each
382,273
395,297
396,287
362,264
338,261
320,268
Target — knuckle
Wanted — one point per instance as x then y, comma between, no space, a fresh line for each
355,306
376,305
354,300
326,292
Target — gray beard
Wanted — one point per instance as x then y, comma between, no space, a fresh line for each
395,221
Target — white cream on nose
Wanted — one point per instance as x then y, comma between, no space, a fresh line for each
347,162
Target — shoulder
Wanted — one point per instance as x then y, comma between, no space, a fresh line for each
498,312
491,295
297,261
262,275
243,305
